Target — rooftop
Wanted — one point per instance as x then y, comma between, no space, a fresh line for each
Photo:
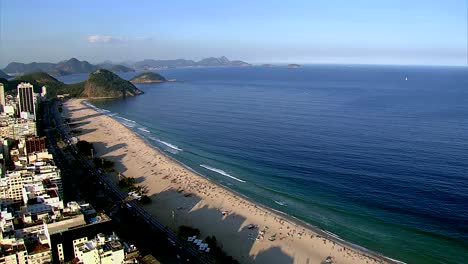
6,250
37,247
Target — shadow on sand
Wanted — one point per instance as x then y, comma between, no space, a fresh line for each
190,210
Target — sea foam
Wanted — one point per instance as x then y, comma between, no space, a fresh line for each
169,145
221,172
143,129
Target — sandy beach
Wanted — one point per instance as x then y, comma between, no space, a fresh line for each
203,204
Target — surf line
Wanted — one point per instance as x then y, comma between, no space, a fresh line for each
221,172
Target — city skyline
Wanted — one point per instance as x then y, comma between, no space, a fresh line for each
361,32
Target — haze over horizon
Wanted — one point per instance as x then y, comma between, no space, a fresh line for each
338,31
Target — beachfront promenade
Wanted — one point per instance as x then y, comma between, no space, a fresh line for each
194,255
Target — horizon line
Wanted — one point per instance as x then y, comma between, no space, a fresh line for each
259,63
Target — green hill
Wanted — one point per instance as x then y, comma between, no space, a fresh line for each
104,83
101,83
38,79
148,77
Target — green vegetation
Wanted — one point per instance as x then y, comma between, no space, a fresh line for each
148,77
104,83
101,83
70,66
145,199
85,148
129,184
38,79
126,182
102,163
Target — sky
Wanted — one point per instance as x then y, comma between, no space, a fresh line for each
421,32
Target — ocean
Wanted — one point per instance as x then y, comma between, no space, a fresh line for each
377,155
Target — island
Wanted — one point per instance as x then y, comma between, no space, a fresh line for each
267,65
293,66
148,77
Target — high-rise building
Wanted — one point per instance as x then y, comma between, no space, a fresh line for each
26,100
2,97
35,144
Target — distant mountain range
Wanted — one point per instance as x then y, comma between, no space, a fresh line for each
70,66
208,62
101,83
73,66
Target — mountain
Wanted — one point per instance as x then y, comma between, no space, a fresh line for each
221,61
16,68
38,79
121,68
73,65
4,75
101,83
156,64
212,61
148,77
104,83
70,66
115,68
294,66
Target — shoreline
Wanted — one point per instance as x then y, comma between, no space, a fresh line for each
358,254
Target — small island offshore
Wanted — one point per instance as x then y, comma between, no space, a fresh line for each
149,77
294,66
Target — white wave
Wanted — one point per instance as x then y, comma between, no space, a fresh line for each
169,145
143,129
221,172
128,120
280,203
128,125
331,234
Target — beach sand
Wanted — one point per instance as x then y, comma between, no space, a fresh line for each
200,203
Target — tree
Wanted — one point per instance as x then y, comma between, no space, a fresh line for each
102,163
145,199
85,148
126,182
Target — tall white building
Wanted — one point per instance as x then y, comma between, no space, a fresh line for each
26,101
43,91
2,97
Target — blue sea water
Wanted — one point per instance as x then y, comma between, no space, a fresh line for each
357,150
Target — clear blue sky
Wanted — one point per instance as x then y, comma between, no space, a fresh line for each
310,31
